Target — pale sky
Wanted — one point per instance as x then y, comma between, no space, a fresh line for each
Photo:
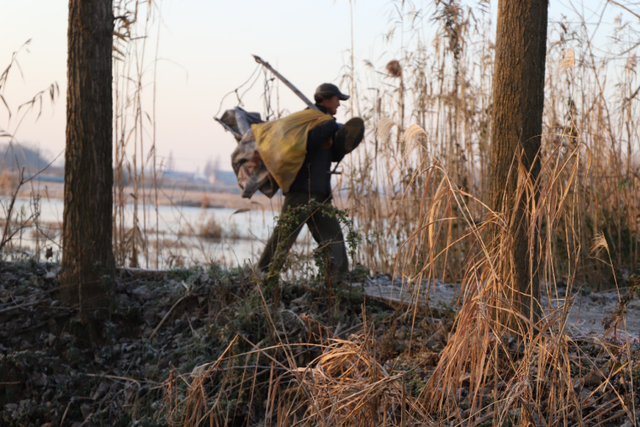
205,51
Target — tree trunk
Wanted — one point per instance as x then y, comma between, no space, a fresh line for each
88,264
518,100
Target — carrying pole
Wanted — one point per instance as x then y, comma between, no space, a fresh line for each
287,83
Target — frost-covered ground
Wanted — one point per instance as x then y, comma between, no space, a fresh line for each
590,312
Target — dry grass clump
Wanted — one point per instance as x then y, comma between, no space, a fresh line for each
503,366
205,201
210,229
347,386
8,183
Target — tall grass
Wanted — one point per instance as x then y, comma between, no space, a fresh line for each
425,128
134,127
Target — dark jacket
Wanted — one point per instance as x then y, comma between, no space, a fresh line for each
315,173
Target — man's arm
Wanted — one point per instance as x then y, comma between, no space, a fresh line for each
319,135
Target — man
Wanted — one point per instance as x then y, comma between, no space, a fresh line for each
326,143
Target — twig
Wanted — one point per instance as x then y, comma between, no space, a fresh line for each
141,271
167,315
15,307
6,235
41,324
193,330
351,329
65,412
37,294
625,8
115,377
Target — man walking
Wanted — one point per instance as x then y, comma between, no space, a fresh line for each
326,143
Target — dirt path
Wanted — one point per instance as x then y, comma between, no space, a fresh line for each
588,315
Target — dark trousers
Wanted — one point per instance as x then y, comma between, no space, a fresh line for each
324,228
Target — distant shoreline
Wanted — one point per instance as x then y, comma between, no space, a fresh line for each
167,196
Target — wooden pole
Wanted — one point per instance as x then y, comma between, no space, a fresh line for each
287,83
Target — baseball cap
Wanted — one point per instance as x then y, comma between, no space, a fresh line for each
327,90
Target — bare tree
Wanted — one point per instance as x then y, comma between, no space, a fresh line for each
518,100
88,263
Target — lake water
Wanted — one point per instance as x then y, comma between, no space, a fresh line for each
178,242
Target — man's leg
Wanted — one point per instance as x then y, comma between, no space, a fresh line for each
291,201
326,231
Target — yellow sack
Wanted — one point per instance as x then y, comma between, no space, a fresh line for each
282,144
